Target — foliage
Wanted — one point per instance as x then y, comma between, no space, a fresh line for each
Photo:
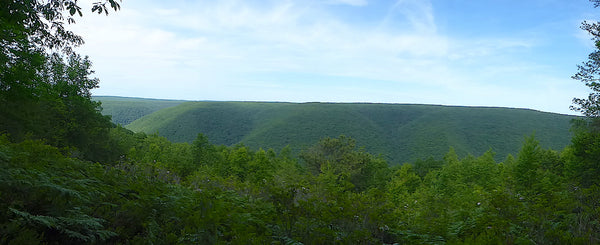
58,109
29,29
338,159
48,197
588,72
172,193
44,86
41,23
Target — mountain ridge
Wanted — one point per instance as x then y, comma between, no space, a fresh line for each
399,132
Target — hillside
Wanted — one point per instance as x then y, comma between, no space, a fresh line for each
398,132
125,110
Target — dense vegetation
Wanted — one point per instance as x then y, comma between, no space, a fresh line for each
399,132
172,193
69,176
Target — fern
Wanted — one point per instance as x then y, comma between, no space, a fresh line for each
27,218
78,226
289,241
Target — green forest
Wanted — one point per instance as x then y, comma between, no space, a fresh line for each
400,133
124,110
68,175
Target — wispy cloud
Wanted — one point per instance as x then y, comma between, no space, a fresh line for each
418,13
208,49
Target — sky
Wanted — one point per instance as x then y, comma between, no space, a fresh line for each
500,53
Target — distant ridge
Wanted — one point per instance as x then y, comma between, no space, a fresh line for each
399,132
125,110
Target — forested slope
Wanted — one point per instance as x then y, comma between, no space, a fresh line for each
399,132
124,110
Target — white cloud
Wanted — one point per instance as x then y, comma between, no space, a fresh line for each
236,50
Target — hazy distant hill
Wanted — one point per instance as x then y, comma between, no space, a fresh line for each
125,110
399,132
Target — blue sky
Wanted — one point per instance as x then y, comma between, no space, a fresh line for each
507,53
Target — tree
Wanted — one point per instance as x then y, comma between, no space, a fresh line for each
583,166
44,86
589,72
528,163
58,108
338,158
31,27
203,151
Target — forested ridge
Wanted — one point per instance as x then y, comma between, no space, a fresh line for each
70,176
124,110
399,132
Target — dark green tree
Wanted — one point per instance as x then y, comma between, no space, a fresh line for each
203,151
339,158
584,166
44,86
